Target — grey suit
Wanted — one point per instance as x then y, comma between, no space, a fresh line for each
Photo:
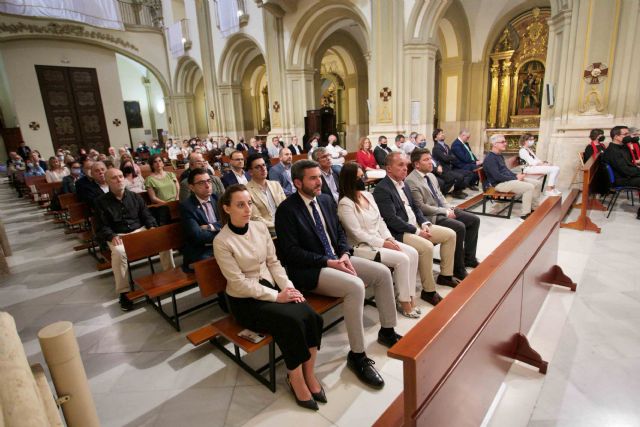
465,224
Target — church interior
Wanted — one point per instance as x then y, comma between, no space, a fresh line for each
149,71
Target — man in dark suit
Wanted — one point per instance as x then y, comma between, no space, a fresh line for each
295,146
242,146
408,225
199,217
381,151
464,157
318,259
93,184
282,172
237,174
330,179
23,150
625,170
445,158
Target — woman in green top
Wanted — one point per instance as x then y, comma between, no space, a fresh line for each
162,186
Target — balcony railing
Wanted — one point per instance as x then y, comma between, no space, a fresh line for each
146,13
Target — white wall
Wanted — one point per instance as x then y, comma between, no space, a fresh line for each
23,83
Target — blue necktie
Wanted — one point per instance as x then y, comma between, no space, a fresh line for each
433,191
321,232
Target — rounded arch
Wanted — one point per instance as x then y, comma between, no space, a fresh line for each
166,89
239,51
320,22
188,75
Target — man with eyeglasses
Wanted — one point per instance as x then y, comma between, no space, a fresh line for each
266,195
199,217
618,156
237,174
503,180
196,161
330,178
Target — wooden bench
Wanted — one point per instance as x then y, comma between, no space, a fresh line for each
583,222
211,282
460,352
490,195
146,244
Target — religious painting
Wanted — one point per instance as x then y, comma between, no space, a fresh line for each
529,94
133,114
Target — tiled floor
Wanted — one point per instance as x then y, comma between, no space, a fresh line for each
142,372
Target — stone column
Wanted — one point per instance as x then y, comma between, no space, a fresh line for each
505,91
275,63
231,116
205,26
493,97
300,95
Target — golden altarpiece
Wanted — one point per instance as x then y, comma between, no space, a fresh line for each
517,66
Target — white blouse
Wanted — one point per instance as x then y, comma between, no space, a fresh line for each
56,176
363,225
529,156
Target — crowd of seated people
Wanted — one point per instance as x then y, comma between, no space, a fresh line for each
335,237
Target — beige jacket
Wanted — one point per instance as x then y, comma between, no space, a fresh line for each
260,209
422,195
245,259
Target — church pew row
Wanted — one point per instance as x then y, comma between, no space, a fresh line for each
583,222
458,355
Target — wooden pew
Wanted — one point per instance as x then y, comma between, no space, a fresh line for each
460,352
583,222
212,282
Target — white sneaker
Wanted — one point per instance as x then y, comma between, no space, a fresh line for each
553,192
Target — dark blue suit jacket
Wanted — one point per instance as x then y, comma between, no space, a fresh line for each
325,187
299,243
445,158
464,160
392,208
198,242
277,173
229,178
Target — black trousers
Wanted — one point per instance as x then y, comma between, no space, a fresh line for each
466,226
295,327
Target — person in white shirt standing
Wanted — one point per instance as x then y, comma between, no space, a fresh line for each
536,166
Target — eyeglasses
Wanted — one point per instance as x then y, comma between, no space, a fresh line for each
203,182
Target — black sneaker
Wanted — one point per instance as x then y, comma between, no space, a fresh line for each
125,303
364,370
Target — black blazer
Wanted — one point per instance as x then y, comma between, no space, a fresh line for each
392,208
299,243
325,187
229,178
444,158
198,242
295,149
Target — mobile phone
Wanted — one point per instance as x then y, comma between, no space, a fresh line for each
250,335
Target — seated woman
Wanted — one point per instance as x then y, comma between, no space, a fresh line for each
262,298
596,144
162,186
230,148
132,180
536,166
33,168
364,156
55,172
360,217
126,156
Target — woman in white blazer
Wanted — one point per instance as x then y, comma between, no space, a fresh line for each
364,226
537,166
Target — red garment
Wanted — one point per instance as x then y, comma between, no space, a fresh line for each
634,148
597,147
366,159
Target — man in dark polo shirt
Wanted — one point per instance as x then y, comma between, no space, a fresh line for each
121,212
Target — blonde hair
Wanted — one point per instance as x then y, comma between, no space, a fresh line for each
362,141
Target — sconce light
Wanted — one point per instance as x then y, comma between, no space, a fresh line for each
160,107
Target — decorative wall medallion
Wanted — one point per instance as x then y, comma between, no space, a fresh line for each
34,125
212,115
64,30
385,94
276,106
595,73
116,122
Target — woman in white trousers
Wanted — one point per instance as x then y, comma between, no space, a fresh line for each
536,166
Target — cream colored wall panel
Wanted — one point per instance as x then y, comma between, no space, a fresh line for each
451,99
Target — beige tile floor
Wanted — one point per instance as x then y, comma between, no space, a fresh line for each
143,373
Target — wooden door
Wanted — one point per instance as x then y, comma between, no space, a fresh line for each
73,105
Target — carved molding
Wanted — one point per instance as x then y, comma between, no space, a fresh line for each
63,30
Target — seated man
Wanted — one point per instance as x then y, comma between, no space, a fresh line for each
236,175
282,172
445,158
266,195
619,158
337,152
381,150
199,217
317,258
93,184
465,159
295,146
433,205
121,212
330,178
500,177
196,161
407,225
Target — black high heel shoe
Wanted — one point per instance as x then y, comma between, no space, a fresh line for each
319,396
307,404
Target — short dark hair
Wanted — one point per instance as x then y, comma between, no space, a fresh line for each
435,133
252,158
153,159
348,180
617,130
236,151
194,172
381,138
399,137
298,169
417,154
595,133
225,200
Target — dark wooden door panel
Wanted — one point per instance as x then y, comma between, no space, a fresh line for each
84,84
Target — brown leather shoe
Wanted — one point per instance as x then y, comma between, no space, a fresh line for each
447,281
432,298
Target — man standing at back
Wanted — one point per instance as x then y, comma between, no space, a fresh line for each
318,259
